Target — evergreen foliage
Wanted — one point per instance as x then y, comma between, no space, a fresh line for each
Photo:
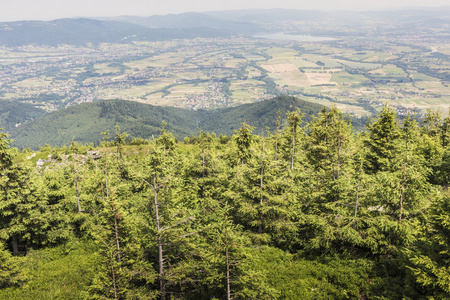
312,212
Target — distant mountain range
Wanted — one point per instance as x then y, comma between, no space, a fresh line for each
84,123
83,31
125,29
190,21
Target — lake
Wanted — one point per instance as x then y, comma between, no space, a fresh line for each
293,37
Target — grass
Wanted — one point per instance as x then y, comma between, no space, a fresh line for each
378,57
232,62
393,70
35,82
360,65
63,272
244,91
302,63
105,69
294,79
329,62
253,57
253,72
344,78
281,55
388,70
186,89
163,60
422,77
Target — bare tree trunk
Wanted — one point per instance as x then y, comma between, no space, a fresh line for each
116,231
162,285
339,153
276,135
339,161
293,146
203,162
15,245
113,273
203,175
401,199
403,180
227,259
357,188
118,152
402,190
78,195
160,246
106,174
261,198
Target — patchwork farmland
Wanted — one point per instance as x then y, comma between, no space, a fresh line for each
211,73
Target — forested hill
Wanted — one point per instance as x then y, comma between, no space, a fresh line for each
84,123
227,120
12,114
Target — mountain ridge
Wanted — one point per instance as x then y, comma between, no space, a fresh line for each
125,29
84,123
82,31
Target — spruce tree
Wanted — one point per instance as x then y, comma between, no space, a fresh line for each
168,224
124,272
21,202
431,257
382,142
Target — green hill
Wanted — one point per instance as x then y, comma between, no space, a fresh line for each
14,114
84,123
227,120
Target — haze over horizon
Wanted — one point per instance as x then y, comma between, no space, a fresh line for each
18,10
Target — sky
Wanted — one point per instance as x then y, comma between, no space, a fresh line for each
15,10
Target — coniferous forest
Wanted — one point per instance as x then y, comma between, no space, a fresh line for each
299,211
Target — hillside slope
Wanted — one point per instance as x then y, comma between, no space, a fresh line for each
16,113
259,114
84,123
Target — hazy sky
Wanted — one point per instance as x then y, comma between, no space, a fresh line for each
12,10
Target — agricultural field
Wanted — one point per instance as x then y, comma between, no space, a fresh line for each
209,73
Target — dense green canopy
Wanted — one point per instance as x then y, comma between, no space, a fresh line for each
308,210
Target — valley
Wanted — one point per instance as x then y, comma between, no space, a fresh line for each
358,75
